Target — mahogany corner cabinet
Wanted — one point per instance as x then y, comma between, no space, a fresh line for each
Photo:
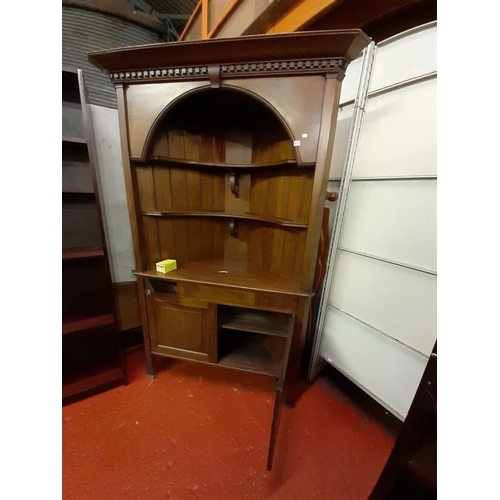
226,147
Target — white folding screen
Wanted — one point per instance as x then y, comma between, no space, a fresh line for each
380,324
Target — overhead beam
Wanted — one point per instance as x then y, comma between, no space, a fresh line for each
302,15
270,17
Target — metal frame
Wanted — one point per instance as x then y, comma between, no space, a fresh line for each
357,120
388,261
396,86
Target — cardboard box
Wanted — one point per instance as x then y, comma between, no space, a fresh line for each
165,266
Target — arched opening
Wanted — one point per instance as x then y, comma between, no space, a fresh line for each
221,126
221,184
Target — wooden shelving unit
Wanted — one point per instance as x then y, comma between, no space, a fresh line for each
92,359
227,146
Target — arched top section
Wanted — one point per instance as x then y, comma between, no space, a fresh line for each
225,126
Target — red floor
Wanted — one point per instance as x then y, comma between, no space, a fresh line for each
198,431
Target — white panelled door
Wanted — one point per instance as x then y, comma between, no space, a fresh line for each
379,326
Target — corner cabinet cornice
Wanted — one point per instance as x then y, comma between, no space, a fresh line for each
292,53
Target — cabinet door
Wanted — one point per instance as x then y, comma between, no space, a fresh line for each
182,328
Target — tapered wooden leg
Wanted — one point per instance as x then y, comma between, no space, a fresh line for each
150,365
278,406
145,292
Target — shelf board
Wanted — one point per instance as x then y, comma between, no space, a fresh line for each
200,164
240,274
262,218
75,191
82,254
75,140
253,357
87,323
262,322
92,379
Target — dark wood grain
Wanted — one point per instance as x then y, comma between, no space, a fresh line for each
239,274
231,142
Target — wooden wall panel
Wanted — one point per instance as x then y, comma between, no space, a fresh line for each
145,187
163,189
166,238
286,195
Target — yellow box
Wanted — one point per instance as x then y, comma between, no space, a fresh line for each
165,266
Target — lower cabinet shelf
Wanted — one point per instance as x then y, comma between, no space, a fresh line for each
250,352
252,340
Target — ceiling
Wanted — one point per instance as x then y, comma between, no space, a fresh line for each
174,13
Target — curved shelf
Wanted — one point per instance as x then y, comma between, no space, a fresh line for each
202,164
82,254
87,323
261,218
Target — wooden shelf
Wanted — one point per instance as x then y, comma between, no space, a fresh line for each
87,323
95,378
249,320
240,274
248,353
75,191
74,140
201,164
261,218
82,254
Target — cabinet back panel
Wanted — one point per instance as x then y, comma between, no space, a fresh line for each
172,188
145,187
221,127
284,195
271,143
163,188
280,250
194,239
186,239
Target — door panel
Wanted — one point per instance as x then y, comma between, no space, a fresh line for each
180,330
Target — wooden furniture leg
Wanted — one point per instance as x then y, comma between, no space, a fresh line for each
279,399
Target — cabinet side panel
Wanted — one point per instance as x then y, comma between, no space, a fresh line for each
150,241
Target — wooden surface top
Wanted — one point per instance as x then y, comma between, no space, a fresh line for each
345,44
240,274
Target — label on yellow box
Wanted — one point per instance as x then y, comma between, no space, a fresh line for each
165,266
